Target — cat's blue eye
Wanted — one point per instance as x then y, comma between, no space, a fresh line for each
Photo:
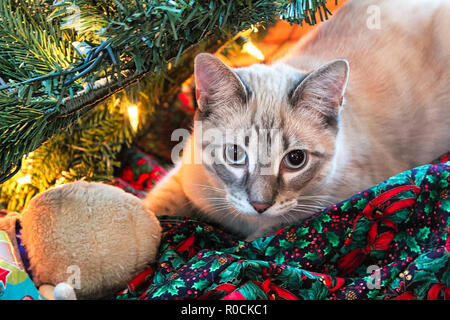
294,160
235,155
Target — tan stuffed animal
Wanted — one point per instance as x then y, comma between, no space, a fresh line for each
96,235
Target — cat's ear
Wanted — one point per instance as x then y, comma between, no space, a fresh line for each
323,89
215,82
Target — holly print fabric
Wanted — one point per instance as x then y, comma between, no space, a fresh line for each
388,242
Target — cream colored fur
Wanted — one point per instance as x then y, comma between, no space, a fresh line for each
99,229
396,113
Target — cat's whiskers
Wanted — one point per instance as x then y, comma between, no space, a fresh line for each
231,212
216,198
234,213
325,199
316,197
302,208
218,204
322,196
285,217
304,205
222,205
307,208
207,187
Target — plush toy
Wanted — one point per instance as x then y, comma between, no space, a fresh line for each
84,240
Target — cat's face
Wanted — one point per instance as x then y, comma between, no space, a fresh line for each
267,135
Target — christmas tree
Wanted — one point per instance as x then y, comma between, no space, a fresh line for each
83,80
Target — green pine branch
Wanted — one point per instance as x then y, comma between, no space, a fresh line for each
55,69
42,69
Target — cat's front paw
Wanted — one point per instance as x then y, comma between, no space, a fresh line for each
164,202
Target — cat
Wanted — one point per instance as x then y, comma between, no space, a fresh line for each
352,104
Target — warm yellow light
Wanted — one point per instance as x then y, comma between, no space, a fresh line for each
250,48
24,180
254,28
133,116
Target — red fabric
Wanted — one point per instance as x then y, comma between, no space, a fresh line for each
405,296
235,295
187,245
436,289
339,283
375,241
400,204
226,287
139,279
368,211
268,286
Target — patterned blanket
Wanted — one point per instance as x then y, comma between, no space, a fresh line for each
388,242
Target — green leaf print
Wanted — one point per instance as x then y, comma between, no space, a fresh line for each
445,205
333,238
412,244
423,233
201,285
171,287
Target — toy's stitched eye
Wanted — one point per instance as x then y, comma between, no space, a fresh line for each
235,155
295,160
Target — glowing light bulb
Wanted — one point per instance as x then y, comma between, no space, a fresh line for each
250,48
24,180
254,28
133,116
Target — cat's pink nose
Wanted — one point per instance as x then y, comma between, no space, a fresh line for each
260,206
